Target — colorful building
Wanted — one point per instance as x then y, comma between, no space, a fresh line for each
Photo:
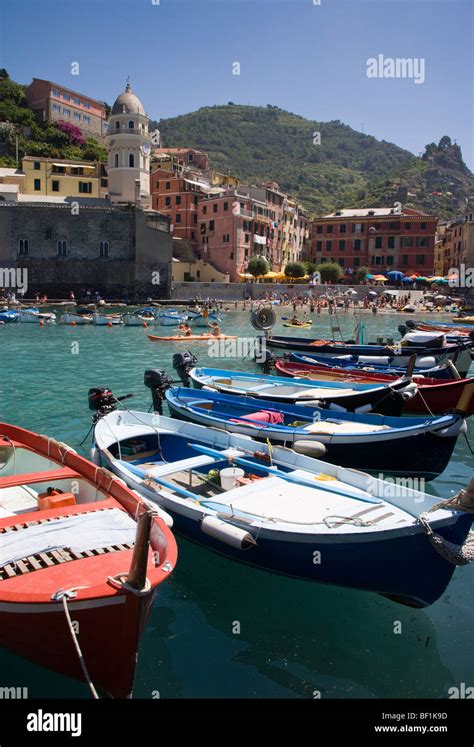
458,244
64,178
176,194
52,102
382,239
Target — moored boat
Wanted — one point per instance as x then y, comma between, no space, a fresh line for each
444,371
139,317
106,320
383,398
76,546
81,316
285,512
34,316
433,396
419,447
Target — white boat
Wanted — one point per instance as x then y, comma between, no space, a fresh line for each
139,317
170,318
106,320
34,316
286,512
70,317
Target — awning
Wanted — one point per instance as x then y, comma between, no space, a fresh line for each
74,166
259,239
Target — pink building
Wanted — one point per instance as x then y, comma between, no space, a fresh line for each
52,102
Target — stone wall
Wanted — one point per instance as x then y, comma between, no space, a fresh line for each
135,249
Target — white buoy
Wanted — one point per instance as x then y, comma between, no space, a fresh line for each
227,533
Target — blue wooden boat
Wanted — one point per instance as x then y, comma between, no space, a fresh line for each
286,512
9,315
386,399
364,363
419,446
396,355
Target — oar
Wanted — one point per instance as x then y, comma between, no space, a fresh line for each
283,475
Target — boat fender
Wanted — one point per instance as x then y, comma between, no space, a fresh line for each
339,408
227,533
409,391
313,449
95,456
363,408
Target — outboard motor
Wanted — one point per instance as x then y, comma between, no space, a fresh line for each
182,364
403,329
410,324
158,381
267,359
102,401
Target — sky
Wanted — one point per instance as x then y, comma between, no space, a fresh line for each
308,58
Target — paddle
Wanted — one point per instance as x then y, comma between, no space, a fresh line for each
284,475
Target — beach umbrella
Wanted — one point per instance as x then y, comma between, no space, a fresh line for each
395,275
380,278
369,276
407,280
372,293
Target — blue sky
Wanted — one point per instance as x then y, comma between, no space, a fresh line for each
306,58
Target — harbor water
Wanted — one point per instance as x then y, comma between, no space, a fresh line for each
220,629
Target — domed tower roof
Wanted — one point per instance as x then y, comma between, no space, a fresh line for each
128,103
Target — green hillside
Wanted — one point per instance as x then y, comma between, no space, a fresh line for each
346,169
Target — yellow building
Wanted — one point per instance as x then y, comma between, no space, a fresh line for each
64,178
197,271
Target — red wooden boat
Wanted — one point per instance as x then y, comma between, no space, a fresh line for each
81,559
434,396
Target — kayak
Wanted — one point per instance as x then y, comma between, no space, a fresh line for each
206,336
301,325
464,319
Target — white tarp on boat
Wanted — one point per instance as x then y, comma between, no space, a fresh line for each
80,532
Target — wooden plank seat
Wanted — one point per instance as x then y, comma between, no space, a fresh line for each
54,557
61,473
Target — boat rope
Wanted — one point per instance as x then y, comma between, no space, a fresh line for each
453,553
120,582
425,403
6,438
62,596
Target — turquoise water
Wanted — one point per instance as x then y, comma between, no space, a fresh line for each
295,637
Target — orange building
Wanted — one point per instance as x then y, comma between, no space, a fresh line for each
52,102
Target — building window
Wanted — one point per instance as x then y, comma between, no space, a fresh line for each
178,218
404,259
421,241
378,242
55,92
204,209
116,160
357,245
168,185
214,207
392,226
342,245
48,233
131,160
61,247
407,226
37,185
131,125
178,199
246,238
56,108
406,241
23,246
377,226
195,200
329,229
356,261
76,100
211,225
226,238
55,185
168,201
77,116
342,228
195,218
66,97
319,229
328,245
424,226
117,125
87,120
66,112
319,246
86,105
390,260
37,165
391,242
85,188
226,205
341,261
193,235
103,248
420,259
